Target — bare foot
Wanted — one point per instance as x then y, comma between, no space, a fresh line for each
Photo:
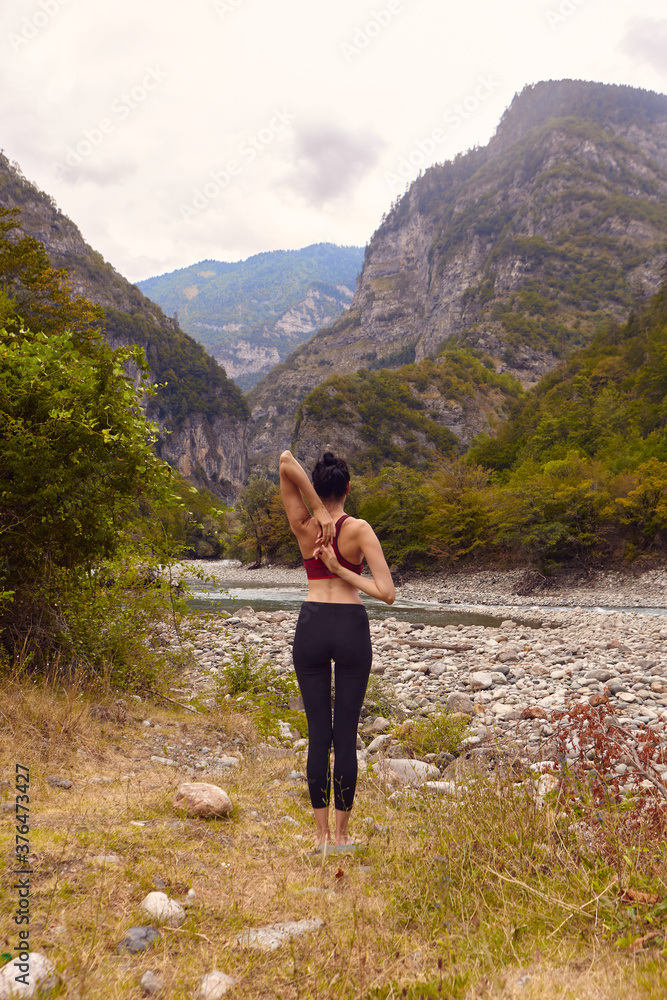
345,840
322,838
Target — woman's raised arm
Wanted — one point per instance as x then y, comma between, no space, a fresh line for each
296,488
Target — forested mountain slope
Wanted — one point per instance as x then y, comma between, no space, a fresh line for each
522,250
202,413
250,314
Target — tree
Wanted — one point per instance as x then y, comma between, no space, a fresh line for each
80,486
264,524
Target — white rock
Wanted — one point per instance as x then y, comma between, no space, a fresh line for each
163,910
199,798
271,937
444,787
151,984
379,743
409,772
41,975
215,985
481,680
457,701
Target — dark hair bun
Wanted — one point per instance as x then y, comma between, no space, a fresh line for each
331,476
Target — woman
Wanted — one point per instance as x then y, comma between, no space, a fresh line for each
332,625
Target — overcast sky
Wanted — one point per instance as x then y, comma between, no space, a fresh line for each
172,132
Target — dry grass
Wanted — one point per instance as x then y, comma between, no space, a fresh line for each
489,895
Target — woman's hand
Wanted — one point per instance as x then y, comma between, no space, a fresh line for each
326,553
327,526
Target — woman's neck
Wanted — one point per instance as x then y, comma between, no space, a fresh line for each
335,508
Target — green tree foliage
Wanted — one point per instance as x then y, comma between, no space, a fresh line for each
188,379
197,523
34,293
388,411
80,486
395,503
264,530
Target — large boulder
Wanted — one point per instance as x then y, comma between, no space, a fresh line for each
199,798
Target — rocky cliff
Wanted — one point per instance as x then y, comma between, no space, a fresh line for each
521,249
202,414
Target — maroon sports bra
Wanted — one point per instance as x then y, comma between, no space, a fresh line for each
316,569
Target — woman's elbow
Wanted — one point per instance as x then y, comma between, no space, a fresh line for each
389,597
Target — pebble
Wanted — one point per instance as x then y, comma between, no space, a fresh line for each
271,937
151,984
163,910
138,939
56,782
215,985
43,978
409,772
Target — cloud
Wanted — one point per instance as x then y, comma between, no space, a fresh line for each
102,175
329,160
645,40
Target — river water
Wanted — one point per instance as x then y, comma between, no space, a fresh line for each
279,597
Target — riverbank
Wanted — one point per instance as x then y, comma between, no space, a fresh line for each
501,588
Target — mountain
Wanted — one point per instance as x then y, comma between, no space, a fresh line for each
520,251
202,414
251,314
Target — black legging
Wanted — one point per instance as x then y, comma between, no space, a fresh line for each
338,632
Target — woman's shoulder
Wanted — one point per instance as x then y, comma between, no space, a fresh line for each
357,525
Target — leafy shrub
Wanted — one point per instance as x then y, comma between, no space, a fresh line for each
436,733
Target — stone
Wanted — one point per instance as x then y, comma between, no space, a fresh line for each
444,787
458,701
481,680
199,798
506,713
151,984
409,772
215,985
379,743
106,859
163,910
379,725
42,978
138,939
533,712
56,782
225,761
273,936
508,656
